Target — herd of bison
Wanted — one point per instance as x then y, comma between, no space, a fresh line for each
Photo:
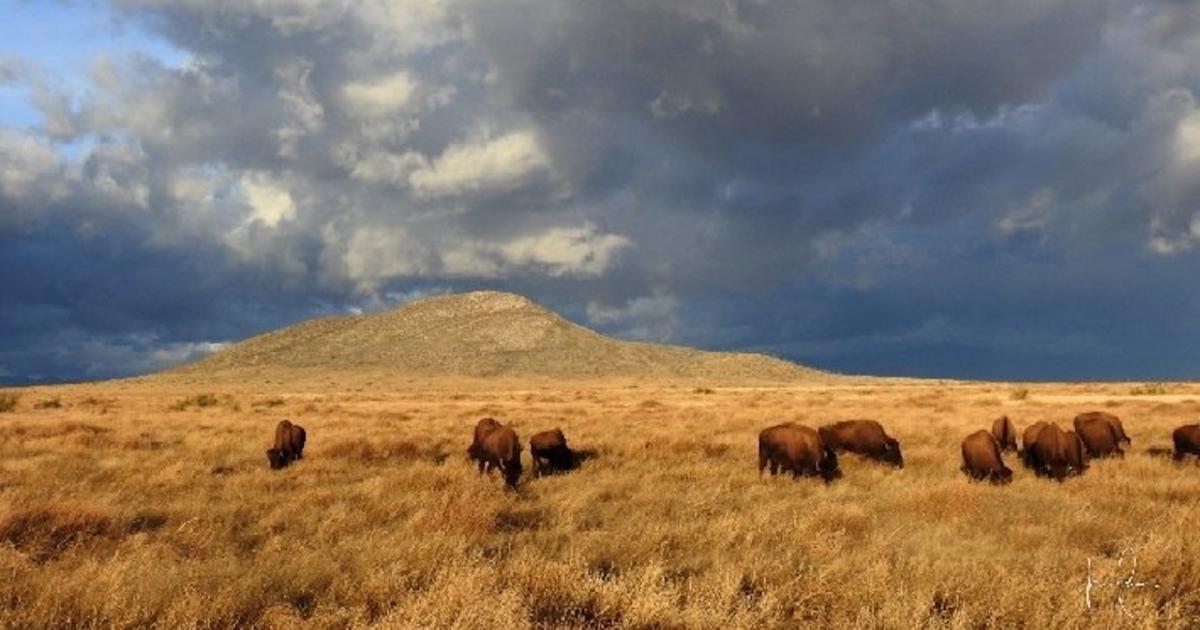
793,448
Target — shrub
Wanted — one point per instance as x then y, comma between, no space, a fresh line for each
8,401
1020,393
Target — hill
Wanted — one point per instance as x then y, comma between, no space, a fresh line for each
483,333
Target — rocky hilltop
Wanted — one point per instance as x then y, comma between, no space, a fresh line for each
483,333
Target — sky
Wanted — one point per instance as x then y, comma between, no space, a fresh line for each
942,188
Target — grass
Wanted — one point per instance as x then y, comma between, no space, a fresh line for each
199,401
1149,389
49,403
8,401
137,518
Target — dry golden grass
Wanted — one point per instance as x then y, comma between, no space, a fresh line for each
123,507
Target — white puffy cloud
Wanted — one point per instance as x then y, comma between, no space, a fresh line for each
494,166
28,164
580,250
269,202
379,97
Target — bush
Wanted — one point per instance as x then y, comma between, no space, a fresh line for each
8,401
1021,393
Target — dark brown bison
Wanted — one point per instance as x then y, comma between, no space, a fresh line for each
497,446
1115,422
1099,435
1028,438
865,437
1057,453
1005,433
288,446
796,449
482,428
1187,441
549,450
981,458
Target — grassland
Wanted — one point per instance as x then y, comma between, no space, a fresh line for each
149,503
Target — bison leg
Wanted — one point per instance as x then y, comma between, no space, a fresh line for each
537,466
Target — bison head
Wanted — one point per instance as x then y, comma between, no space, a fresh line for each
828,466
277,457
892,454
1002,476
512,473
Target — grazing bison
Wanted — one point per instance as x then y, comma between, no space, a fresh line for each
865,437
981,458
796,449
497,446
1027,440
1115,422
1187,441
1005,433
549,449
1057,453
289,444
1099,435
482,428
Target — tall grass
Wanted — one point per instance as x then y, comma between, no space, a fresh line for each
8,401
142,518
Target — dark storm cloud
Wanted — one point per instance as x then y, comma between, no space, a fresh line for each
954,188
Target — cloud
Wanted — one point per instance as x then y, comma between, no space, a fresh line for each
498,165
268,202
647,318
563,251
875,186
380,97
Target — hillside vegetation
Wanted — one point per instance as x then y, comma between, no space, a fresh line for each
150,504
483,333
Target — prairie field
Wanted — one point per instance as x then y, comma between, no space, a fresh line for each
149,502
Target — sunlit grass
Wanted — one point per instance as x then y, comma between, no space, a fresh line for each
123,508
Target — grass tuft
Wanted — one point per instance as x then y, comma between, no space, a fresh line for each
8,401
199,401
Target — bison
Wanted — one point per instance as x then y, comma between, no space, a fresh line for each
482,428
1099,435
549,449
796,449
1187,441
1005,433
289,444
981,458
1056,453
865,437
1027,440
1115,422
497,446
